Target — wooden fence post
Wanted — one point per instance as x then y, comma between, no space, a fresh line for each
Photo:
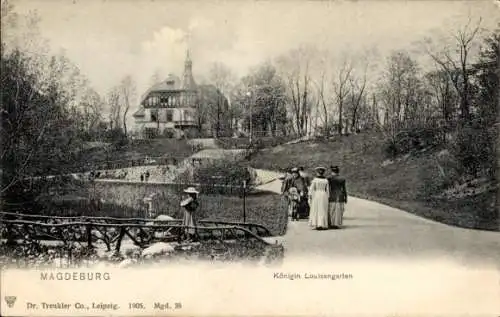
89,234
119,240
10,236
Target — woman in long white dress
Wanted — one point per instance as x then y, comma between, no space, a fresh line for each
318,200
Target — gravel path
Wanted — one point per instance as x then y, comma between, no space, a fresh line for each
375,230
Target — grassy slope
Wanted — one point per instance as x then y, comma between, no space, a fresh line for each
141,148
399,184
261,209
266,209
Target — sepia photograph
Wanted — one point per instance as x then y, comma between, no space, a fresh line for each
225,152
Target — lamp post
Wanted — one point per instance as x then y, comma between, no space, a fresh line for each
244,201
249,95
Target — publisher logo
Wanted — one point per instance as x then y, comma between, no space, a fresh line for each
10,300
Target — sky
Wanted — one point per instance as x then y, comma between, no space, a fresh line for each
114,38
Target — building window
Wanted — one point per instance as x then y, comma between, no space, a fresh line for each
154,115
187,115
163,100
170,116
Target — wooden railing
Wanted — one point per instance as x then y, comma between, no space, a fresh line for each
23,228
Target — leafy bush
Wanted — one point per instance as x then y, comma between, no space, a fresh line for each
440,175
475,148
91,209
120,143
193,133
415,139
169,133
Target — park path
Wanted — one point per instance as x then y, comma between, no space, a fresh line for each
375,230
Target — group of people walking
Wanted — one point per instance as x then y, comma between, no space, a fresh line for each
321,198
295,188
145,176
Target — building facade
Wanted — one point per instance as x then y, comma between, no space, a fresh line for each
179,107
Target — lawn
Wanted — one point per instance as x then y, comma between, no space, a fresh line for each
399,183
265,209
138,149
127,200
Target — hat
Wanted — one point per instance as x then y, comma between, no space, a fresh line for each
191,190
320,170
335,168
293,191
295,170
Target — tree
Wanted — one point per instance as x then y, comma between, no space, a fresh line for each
211,101
22,33
295,69
268,94
455,62
357,94
446,99
115,108
476,144
37,130
341,88
323,98
399,90
127,90
43,125
92,106
222,78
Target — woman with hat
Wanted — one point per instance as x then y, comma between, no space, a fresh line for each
318,200
298,182
338,197
190,204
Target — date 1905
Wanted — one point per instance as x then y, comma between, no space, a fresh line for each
136,306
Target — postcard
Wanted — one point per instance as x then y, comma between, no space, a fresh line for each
249,158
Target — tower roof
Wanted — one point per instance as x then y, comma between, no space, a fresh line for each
188,82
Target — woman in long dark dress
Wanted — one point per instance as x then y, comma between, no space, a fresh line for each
190,205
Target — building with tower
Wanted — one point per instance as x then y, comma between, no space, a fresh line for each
179,107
